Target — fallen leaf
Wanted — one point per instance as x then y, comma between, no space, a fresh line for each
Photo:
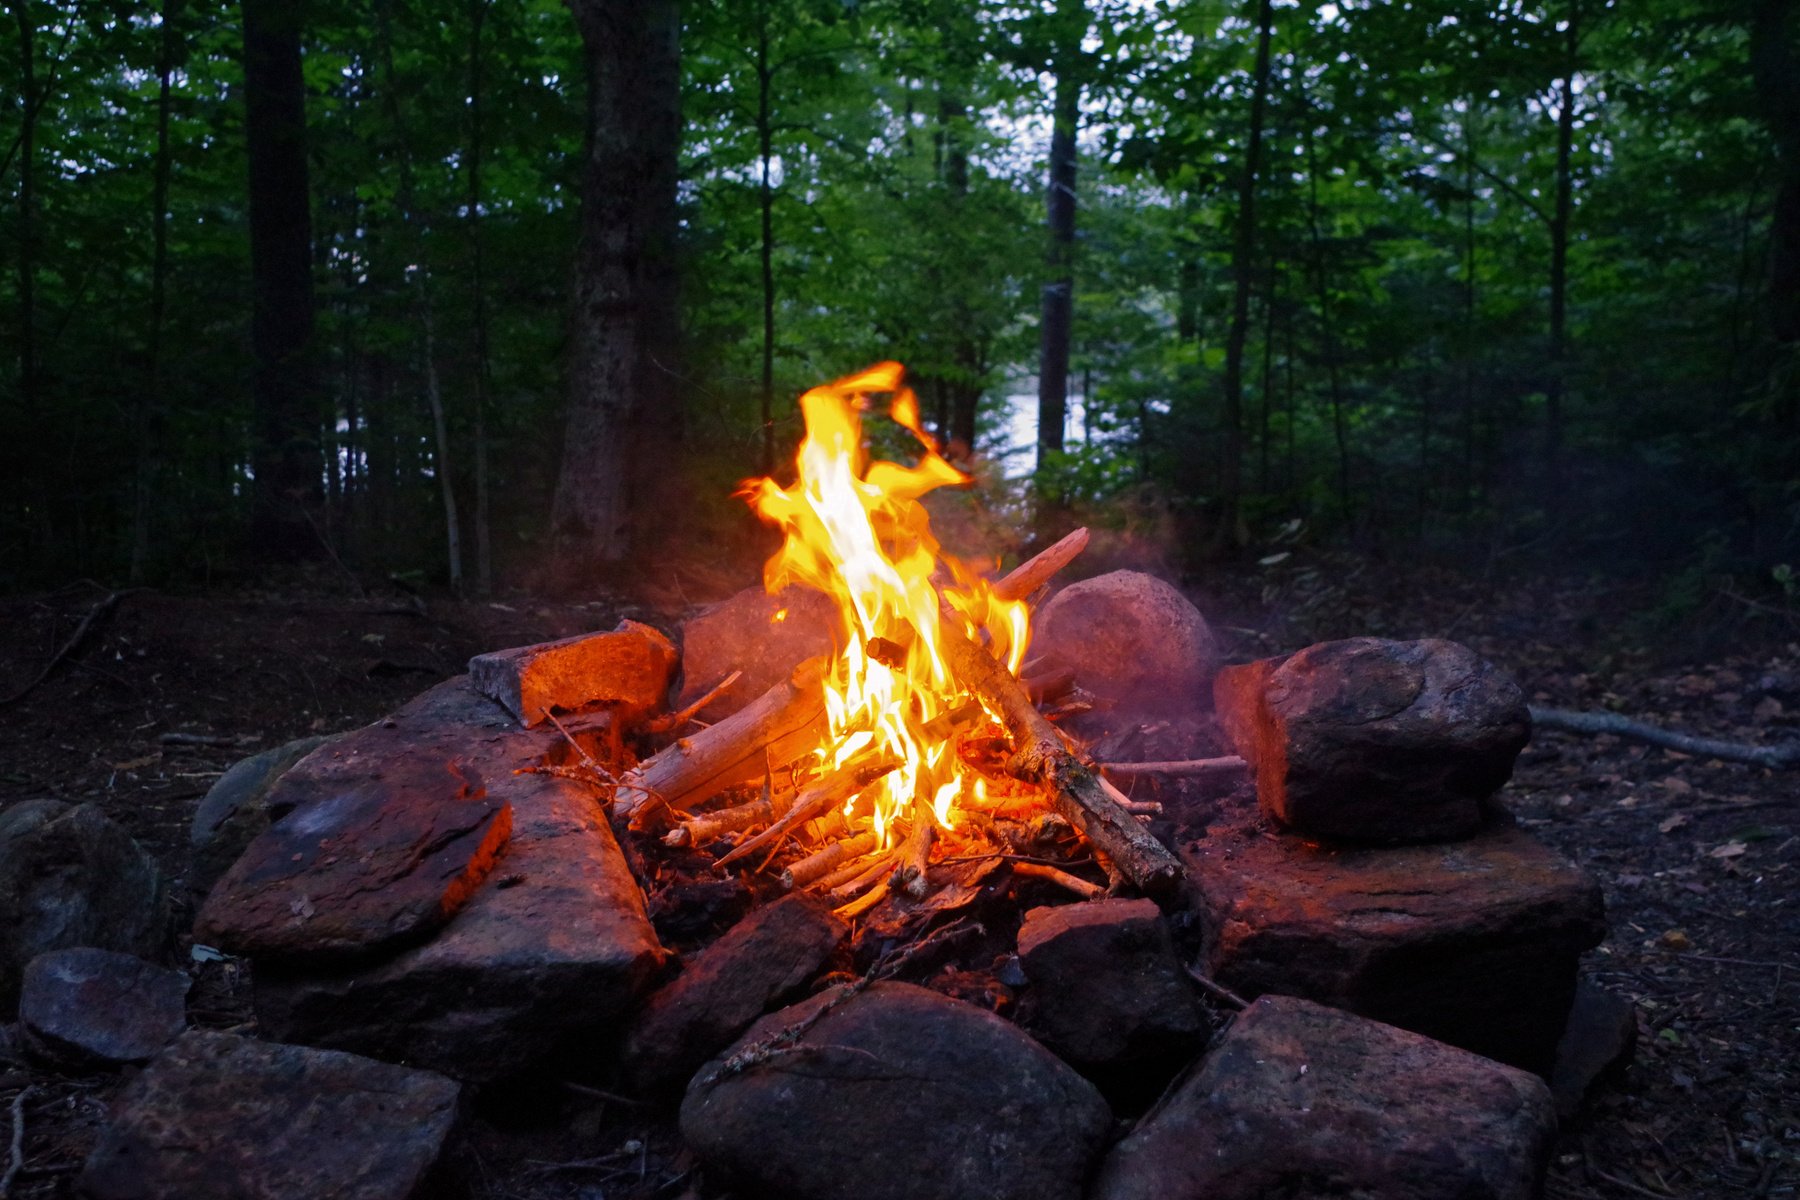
1671,824
1729,850
1676,939
1677,787
136,764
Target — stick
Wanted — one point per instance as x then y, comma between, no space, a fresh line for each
1192,766
882,866
1137,808
833,789
857,908
196,739
89,623
852,871
1564,721
695,768
676,720
16,1158
1040,757
1062,879
915,855
704,829
1218,991
824,863
587,760
1037,570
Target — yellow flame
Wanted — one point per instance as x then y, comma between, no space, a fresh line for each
856,531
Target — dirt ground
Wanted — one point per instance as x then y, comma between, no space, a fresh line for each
1697,857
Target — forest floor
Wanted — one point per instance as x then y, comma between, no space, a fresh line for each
1699,859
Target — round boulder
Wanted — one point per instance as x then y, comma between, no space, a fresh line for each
84,1007
1130,638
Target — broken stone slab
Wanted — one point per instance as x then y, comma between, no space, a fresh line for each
764,636
1374,740
761,961
71,876
893,1094
83,1008
628,669
553,950
1107,991
1132,640
221,1117
1596,1046
233,811
1299,1099
1474,943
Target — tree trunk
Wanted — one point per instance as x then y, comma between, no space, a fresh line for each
32,99
1555,386
1057,322
624,419
1776,73
964,390
1328,329
1243,266
285,457
765,198
484,551
148,416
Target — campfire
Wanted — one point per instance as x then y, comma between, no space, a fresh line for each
920,733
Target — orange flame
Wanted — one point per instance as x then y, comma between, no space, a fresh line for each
856,530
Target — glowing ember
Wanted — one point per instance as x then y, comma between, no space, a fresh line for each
856,530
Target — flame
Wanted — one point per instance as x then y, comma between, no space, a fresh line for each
857,531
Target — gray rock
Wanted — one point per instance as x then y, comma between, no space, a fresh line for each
85,1008
761,961
1374,740
219,1117
895,1094
233,812
1596,1046
763,636
1299,1100
1107,991
1475,943
71,876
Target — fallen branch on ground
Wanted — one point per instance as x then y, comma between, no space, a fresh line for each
89,623
1566,721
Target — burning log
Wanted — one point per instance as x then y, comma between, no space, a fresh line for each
779,724
1041,757
704,829
825,863
915,855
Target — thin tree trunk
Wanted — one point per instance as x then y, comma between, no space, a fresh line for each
33,105
418,268
484,552
1057,321
1469,487
765,197
1556,386
149,405
286,460
964,390
1268,371
1776,73
1328,329
1243,252
624,421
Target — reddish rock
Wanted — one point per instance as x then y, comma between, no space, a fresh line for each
1474,943
71,876
895,1094
763,636
84,1007
1374,740
762,961
218,1117
1305,1101
1107,991
359,866
628,669
1131,639
1596,1046
235,810
553,950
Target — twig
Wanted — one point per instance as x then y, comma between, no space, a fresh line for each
676,720
582,1089
1137,808
16,1158
1566,721
1192,766
1062,879
1217,991
89,623
821,795
196,739
588,760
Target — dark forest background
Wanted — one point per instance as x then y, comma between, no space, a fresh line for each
512,292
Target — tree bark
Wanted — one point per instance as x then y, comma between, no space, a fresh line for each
1776,73
1555,387
1056,324
285,457
1328,329
1243,267
624,424
484,551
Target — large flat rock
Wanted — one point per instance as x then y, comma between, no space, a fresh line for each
220,1117
556,946
895,1094
378,838
1474,943
1375,740
1299,1100
627,669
